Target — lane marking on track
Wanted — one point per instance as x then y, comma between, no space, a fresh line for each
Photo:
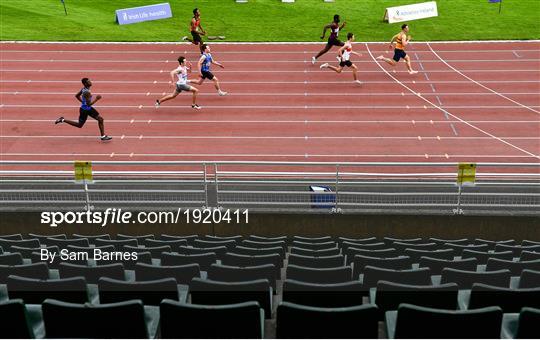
517,55
215,157
480,84
167,121
112,155
452,115
304,137
122,82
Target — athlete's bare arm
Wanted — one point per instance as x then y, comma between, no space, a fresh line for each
342,25
217,63
324,30
393,40
199,64
78,96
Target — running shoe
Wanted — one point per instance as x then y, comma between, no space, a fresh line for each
380,57
105,137
157,104
325,65
313,60
222,93
413,72
59,120
195,106
338,59
358,82
184,38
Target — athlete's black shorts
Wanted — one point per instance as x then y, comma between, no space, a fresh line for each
398,54
334,42
207,75
196,37
83,115
345,63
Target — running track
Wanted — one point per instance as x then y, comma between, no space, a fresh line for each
475,102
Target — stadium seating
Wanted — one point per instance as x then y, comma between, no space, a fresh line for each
412,321
390,295
333,295
208,292
320,275
38,271
15,323
149,292
319,278
182,274
116,320
297,321
510,300
36,291
529,319
465,279
238,321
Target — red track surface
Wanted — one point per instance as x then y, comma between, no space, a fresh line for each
482,105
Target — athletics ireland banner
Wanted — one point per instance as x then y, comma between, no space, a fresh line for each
145,13
411,12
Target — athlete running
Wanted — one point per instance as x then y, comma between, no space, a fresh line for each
204,68
196,30
86,109
401,42
333,39
344,56
181,84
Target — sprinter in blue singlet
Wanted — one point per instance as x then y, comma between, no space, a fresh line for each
204,66
86,109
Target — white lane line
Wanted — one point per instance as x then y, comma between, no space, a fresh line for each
452,115
275,137
515,53
480,84
282,107
170,121
160,71
285,94
258,156
121,82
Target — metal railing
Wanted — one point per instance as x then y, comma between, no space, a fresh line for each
359,187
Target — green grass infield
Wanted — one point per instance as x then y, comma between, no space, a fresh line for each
265,20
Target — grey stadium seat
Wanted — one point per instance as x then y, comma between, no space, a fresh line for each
182,274
298,321
317,262
483,256
351,252
238,321
311,252
139,238
437,265
11,259
218,272
516,250
209,292
445,254
390,295
35,291
92,274
515,267
6,244
320,275
314,246
422,322
466,279
396,263
259,251
15,320
219,251
529,279
509,299
174,244
38,271
333,295
149,292
420,276
203,260
68,320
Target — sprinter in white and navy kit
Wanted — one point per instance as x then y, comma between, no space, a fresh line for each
204,68
86,109
344,56
181,84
